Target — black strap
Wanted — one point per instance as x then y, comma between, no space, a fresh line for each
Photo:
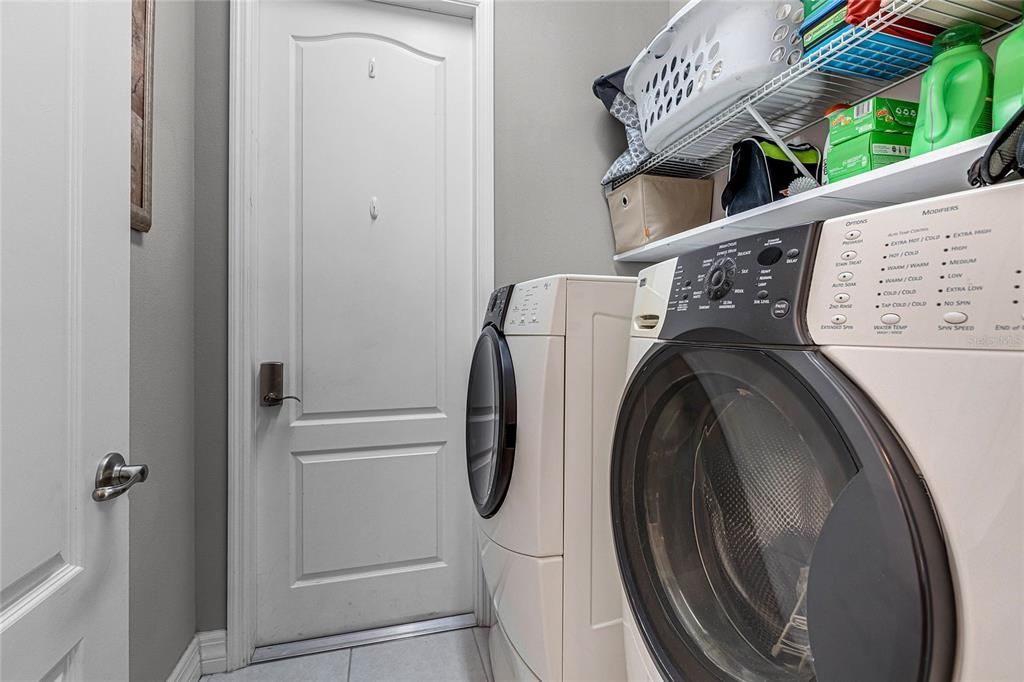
1004,155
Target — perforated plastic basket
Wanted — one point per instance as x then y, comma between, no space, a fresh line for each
708,56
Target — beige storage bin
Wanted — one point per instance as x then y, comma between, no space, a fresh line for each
650,207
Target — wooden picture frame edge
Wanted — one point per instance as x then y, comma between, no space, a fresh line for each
142,216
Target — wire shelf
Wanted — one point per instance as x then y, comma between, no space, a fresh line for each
797,98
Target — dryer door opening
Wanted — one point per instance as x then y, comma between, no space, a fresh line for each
727,477
490,422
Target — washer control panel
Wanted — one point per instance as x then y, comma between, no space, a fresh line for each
941,273
537,307
497,305
743,290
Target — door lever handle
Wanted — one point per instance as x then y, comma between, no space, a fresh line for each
114,477
272,399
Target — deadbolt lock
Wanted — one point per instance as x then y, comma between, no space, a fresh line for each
271,385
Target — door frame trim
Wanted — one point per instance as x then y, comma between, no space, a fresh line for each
243,278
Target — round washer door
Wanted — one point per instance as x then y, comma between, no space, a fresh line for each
490,422
765,533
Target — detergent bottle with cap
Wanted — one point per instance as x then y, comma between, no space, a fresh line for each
1009,88
956,92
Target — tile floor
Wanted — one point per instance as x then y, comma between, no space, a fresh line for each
456,656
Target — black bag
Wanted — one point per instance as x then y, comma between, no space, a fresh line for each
760,173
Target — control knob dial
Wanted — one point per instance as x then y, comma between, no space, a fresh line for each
719,278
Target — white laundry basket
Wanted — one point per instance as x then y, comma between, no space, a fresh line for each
709,55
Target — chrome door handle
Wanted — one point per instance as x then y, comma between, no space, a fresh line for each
114,477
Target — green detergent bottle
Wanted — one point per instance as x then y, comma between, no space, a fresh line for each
1009,90
956,92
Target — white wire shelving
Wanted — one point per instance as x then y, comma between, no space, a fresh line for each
797,98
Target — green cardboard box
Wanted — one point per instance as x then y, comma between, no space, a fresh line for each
875,115
824,27
866,153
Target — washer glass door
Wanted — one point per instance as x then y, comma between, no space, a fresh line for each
490,421
724,471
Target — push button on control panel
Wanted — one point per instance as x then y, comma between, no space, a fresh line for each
780,308
852,235
848,255
845,276
842,297
891,318
839,319
954,317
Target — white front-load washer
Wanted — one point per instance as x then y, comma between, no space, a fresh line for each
818,465
544,387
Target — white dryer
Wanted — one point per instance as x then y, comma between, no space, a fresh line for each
818,465
544,386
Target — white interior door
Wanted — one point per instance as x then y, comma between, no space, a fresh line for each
366,292
64,276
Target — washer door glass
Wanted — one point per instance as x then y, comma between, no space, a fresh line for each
490,422
725,471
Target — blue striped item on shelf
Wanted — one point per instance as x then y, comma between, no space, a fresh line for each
879,55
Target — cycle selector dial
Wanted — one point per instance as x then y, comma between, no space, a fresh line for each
719,278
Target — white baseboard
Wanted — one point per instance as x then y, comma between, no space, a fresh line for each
213,651
188,668
205,654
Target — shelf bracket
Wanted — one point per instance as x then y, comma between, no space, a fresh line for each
780,142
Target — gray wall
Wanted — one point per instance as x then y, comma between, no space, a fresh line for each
553,140
211,302
162,576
